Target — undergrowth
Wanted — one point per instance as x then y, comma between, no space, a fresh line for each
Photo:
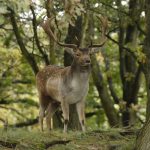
23,139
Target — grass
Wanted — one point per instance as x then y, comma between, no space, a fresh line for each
23,139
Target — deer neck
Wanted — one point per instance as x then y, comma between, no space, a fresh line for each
77,70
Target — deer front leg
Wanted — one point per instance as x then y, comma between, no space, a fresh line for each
80,110
65,110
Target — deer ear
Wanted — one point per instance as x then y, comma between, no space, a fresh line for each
70,51
94,50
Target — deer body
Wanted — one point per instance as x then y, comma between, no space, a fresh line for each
68,85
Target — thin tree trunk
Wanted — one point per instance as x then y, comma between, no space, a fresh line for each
37,41
102,89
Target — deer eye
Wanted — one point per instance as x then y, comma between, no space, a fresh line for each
78,54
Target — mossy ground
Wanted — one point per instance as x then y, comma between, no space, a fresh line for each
23,139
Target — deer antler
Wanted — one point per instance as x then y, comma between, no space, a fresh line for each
104,27
46,26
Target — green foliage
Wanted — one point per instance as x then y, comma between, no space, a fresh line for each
17,83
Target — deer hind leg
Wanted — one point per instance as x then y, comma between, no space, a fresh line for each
52,108
44,102
80,110
41,116
65,110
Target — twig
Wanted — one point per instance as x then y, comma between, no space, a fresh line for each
125,48
50,144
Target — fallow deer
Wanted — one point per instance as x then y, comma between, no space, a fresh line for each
65,85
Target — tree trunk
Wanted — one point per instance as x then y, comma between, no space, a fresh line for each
143,139
73,33
128,67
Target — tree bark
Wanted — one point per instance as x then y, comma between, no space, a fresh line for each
142,142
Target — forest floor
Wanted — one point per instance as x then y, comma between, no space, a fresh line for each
23,139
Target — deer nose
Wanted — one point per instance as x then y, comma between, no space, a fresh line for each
88,61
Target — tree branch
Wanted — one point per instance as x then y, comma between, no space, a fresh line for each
13,109
2,120
34,24
25,101
110,6
21,81
90,114
23,49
